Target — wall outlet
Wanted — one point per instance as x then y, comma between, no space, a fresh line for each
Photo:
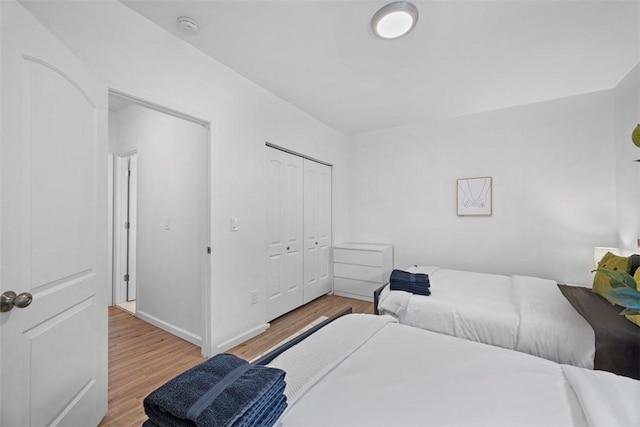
254,296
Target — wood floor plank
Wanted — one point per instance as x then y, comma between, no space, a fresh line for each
142,357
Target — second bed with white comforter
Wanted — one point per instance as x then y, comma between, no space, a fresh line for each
526,314
365,370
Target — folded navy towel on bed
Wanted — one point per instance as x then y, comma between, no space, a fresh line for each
222,391
416,283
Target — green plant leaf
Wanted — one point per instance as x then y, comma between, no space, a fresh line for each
625,297
629,312
619,279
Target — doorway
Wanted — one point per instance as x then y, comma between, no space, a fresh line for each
161,215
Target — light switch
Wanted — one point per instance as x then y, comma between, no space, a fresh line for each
167,223
234,223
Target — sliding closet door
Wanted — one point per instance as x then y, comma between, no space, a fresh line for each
317,230
284,232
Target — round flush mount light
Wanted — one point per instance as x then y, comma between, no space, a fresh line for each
187,25
394,20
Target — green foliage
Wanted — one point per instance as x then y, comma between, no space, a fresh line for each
625,297
619,279
625,291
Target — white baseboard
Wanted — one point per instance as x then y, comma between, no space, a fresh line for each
239,339
179,332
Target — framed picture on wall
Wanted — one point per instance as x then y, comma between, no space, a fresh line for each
474,196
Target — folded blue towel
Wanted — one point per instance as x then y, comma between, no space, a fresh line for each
416,283
267,415
222,391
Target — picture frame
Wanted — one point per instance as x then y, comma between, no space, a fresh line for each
474,196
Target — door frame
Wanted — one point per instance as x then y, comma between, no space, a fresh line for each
120,291
169,107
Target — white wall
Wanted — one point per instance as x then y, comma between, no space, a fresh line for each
551,163
627,117
133,55
172,184
554,194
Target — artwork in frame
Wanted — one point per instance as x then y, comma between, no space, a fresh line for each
474,196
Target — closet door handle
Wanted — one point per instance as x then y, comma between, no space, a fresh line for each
316,243
288,248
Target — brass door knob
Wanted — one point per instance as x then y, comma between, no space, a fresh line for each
9,299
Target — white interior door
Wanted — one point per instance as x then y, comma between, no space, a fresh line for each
284,232
54,230
317,230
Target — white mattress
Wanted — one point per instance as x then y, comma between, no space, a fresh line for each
520,313
404,376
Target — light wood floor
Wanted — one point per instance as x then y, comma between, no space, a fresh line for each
143,357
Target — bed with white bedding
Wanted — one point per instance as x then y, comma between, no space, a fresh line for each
365,370
521,313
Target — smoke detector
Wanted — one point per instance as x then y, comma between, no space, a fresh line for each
187,25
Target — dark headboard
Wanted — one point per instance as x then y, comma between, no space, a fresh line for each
635,263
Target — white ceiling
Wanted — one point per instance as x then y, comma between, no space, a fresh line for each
463,57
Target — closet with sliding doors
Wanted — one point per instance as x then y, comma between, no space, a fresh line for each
298,231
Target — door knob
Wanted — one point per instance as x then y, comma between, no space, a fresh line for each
9,299
288,247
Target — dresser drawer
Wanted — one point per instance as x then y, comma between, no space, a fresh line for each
361,268
359,272
354,288
350,256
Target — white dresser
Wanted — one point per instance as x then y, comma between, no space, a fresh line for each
361,268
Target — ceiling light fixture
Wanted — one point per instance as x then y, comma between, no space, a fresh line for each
394,20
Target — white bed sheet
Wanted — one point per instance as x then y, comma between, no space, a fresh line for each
305,364
521,313
404,376
549,325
